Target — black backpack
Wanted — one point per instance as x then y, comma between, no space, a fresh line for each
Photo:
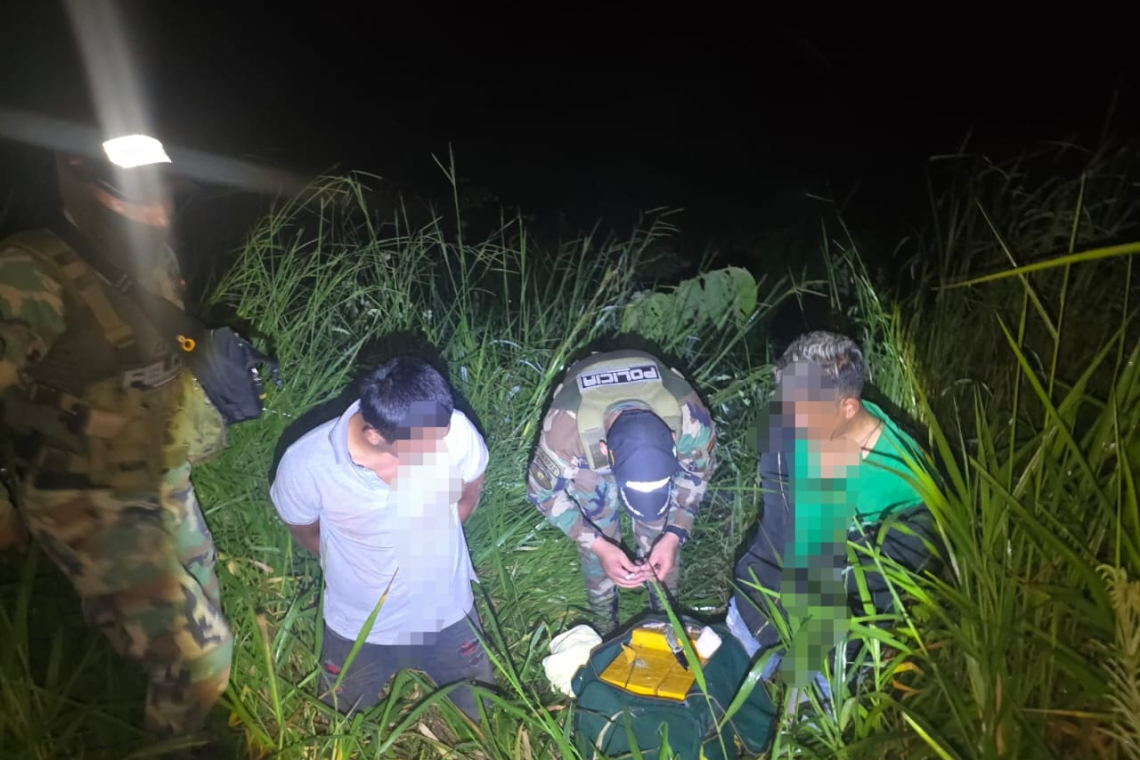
226,365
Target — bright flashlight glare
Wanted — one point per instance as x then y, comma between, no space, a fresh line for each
135,150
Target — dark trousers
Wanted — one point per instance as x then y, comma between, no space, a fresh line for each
905,542
454,654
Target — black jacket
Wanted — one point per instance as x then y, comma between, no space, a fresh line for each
763,554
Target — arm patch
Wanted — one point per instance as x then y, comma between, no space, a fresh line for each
545,470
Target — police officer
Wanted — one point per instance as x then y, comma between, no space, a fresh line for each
107,425
623,429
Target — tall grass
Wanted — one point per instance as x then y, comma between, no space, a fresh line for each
1027,384
1024,386
994,217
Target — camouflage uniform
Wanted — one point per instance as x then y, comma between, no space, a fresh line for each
117,514
577,493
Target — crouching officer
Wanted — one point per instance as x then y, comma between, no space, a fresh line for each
623,428
107,425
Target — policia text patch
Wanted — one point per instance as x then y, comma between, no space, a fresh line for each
621,376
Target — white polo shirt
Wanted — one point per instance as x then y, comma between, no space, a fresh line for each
373,535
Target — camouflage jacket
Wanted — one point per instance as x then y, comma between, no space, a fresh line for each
34,317
559,462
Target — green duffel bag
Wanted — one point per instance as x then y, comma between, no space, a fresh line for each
608,717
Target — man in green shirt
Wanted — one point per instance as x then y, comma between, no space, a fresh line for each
834,468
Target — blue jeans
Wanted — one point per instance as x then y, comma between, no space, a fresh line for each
738,629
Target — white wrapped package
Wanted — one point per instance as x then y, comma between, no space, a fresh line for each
569,651
707,643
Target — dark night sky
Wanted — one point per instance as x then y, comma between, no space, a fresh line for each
593,113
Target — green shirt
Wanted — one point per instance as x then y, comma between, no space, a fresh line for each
879,483
825,509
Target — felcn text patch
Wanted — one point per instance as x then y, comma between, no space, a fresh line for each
639,374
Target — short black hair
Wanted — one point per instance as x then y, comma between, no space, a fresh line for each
403,394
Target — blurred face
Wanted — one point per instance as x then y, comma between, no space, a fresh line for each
817,411
425,434
425,440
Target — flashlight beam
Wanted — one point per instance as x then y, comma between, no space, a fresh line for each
70,137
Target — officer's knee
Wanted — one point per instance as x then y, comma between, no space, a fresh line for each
214,688
212,675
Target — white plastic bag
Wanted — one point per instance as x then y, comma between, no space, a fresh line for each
569,651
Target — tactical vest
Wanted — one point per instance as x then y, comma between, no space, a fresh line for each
111,357
598,384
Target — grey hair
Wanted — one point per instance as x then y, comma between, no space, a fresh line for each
838,356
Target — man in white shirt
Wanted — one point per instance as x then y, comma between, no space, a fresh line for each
381,494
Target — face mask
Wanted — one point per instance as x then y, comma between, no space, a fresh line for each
131,245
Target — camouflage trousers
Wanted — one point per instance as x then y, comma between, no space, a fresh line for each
143,566
600,506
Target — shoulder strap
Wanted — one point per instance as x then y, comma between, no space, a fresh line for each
63,264
169,317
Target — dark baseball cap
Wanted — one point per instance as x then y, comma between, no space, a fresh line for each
643,459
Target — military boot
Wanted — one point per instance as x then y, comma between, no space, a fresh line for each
608,619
